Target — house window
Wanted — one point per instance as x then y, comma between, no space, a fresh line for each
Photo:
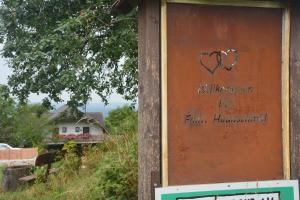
77,129
86,130
64,129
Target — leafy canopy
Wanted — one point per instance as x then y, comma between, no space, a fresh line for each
30,126
7,112
21,124
122,120
73,46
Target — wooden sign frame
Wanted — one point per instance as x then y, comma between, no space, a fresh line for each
284,71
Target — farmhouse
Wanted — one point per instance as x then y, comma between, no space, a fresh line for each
83,127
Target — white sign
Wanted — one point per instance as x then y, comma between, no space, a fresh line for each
270,196
262,190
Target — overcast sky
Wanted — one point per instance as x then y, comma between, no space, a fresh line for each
5,72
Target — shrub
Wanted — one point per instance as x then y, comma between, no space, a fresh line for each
117,172
2,168
71,161
122,120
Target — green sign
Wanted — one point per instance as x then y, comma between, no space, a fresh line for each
262,190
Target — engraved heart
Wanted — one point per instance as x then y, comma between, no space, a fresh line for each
207,58
230,53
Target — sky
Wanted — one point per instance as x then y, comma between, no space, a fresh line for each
33,98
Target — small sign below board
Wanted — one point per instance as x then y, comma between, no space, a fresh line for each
263,190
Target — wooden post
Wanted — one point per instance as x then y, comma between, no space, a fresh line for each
149,98
295,90
11,177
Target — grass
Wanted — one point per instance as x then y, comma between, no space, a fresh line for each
108,171
2,168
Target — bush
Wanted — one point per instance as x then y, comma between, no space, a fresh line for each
71,161
122,120
117,172
2,168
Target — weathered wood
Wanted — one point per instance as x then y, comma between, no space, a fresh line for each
11,175
149,96
285,93
41,160
295,90
164,94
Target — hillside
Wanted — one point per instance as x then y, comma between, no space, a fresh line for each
107,171
98,107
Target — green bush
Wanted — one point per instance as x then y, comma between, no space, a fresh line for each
71,161
118,171
40,174
122,120
2,168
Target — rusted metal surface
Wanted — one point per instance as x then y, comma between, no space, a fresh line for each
224,120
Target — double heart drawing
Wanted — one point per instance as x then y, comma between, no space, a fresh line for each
220,57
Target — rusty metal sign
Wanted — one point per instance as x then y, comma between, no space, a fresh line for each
224,94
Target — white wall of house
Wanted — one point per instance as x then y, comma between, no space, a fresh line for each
71,128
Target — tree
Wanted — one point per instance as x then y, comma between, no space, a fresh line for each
30,126
74,46
21,124
7,113
122,120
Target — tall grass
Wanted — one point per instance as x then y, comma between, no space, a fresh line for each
108,172
2,168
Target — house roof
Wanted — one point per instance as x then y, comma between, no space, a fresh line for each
58,112
96,116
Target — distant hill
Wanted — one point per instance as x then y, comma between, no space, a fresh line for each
97,107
